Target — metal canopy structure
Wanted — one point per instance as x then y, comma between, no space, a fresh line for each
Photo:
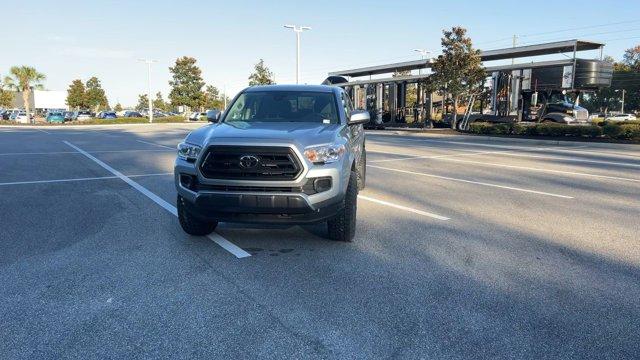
540,49
384,69
488,55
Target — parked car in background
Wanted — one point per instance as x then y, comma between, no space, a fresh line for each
82,115
10,114
130,113
106,115
195,116
621,117
55,117
68,115
22,117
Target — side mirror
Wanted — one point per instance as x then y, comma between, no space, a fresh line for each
359,117
215,117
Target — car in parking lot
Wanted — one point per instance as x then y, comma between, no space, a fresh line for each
195,116
10,114
106,115
130,113
22,117
55,117
82,115
291,154
621,117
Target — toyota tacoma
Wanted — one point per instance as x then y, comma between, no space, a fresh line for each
289,154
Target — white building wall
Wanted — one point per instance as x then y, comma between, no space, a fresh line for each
50,99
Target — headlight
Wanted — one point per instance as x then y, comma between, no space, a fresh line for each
569,112
325,154
188,151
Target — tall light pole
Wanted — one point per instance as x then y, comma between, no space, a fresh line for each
423,55
297,30
149,62
623,92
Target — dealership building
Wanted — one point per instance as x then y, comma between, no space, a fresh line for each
42,100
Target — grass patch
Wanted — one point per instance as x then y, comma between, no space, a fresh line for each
609,130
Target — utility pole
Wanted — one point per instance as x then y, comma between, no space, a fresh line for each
297,30
224,96
515,38
423,55
149,62
623,92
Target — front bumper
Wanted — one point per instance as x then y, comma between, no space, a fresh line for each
252,208
265,207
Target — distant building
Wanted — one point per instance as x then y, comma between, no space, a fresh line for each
42,100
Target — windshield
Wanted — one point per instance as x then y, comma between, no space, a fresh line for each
284,106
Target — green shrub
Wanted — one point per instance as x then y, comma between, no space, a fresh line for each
551,129
612,131
129,120
629,132
502,129
481,128
591,131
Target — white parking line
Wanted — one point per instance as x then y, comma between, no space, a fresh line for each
154,144
222,242
473,182
75,152
410,157
400,207
77,179
500,152
569,159
544,170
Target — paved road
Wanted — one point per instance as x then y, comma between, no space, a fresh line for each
465,248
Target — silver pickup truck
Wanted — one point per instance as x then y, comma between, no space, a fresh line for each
292,154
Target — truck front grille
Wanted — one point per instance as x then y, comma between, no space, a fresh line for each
250,163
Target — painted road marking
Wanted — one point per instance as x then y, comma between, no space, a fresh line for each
474,182
159,145
75,152
222,242
507,153
544,170
400,207
77,179
571,159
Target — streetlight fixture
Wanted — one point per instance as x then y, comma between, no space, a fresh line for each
423,55
149,62
297,30
623,93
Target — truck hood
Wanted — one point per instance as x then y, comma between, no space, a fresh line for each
302,134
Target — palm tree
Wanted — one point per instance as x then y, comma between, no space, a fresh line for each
24,78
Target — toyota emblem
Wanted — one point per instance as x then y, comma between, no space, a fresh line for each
248,161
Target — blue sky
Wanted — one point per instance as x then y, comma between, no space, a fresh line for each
78,39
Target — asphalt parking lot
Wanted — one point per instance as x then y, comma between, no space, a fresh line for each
465,248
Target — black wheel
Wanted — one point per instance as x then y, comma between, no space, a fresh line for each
362,171
342,227
190,224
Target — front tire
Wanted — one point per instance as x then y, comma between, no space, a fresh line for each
362,171
342,227
192,225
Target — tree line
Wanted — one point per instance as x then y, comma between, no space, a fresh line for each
190,90
626,76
